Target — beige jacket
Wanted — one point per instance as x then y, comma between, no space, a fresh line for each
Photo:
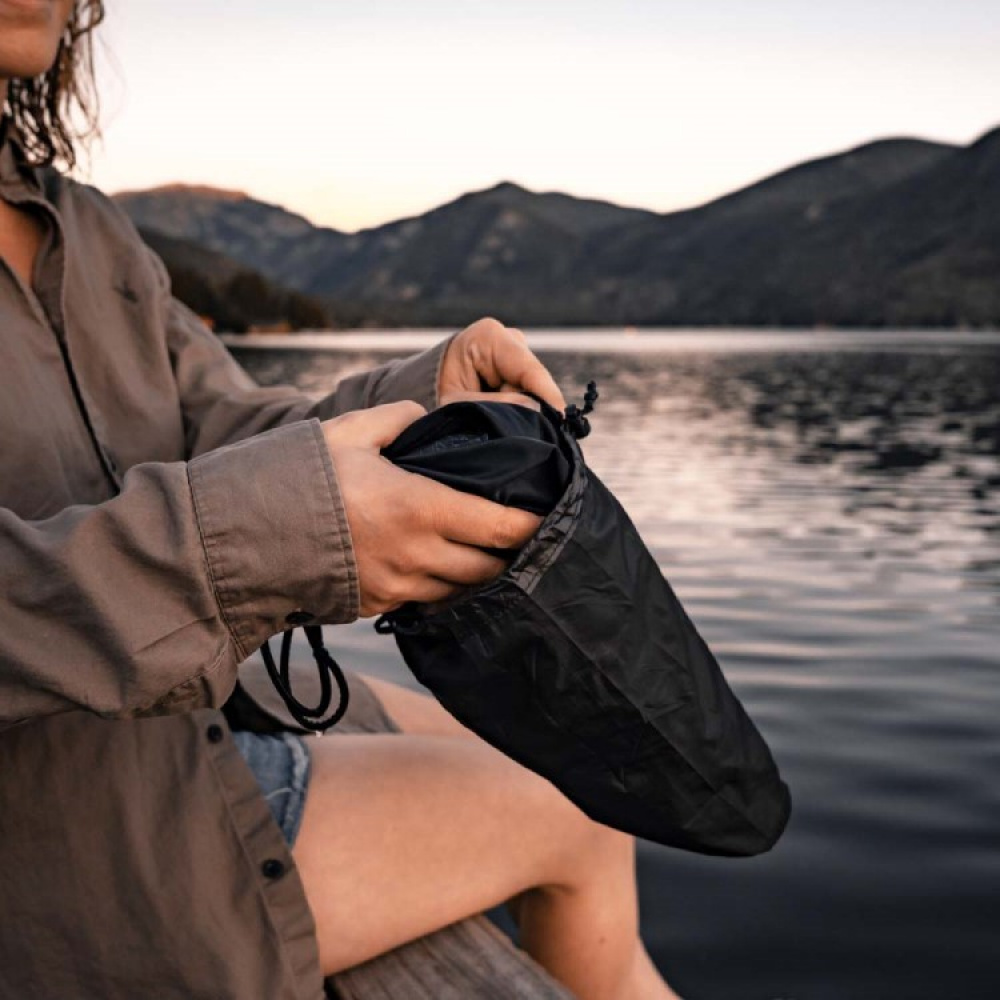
160,515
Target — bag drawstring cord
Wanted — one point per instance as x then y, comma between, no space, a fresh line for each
308,717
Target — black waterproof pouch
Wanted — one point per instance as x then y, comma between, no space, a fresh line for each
579,661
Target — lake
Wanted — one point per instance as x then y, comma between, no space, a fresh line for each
827,506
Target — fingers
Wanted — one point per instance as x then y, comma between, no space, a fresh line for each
373,428
445,570
504,395
471,520
518,366
426,590
383,424
514,363
432,591
497,355
464,565
415,539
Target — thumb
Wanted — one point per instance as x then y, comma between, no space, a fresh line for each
381,425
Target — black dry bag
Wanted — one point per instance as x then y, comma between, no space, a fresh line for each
579,661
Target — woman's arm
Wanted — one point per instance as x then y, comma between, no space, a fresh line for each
220,403
147,602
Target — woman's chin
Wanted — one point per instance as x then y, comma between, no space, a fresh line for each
29,36
22,62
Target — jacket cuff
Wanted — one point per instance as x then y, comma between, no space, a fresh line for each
415,378
275,533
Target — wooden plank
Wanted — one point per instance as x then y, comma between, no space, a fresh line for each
470,960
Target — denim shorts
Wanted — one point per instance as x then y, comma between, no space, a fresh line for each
280,762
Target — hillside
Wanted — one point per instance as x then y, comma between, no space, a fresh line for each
232,297
895,232
920,250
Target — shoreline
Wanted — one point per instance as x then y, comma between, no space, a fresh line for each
619,340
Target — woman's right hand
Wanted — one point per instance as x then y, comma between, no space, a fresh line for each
414,539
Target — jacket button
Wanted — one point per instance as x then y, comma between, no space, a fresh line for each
272,868
299,617
215,734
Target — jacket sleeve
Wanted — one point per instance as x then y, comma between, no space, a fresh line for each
221,403
147,603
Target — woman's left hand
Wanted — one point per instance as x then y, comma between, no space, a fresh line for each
489,354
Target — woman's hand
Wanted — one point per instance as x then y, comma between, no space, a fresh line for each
414,539
491,355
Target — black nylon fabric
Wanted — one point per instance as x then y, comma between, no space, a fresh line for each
579,661
508,454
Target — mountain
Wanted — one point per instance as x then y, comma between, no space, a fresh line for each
919,249
895,232
480,241
264,237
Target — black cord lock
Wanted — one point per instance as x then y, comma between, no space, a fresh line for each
577,423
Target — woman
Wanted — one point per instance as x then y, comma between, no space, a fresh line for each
161,517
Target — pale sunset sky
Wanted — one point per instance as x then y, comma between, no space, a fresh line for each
357,113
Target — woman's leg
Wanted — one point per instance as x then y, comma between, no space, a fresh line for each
414,712
404,834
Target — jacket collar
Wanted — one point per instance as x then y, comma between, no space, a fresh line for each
17,176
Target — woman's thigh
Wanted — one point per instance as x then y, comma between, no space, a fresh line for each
403,834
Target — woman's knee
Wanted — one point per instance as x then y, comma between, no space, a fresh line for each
577,849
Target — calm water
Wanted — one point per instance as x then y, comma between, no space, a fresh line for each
828,507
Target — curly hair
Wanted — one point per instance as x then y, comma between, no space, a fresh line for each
54,111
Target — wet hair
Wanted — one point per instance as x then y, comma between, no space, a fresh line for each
55,111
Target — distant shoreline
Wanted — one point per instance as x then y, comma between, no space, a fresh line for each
595,340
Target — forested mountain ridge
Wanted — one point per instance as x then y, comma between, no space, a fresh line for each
899,232
230,296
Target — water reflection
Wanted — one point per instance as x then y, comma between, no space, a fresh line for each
880,446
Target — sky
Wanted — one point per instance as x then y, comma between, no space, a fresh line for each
353,114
